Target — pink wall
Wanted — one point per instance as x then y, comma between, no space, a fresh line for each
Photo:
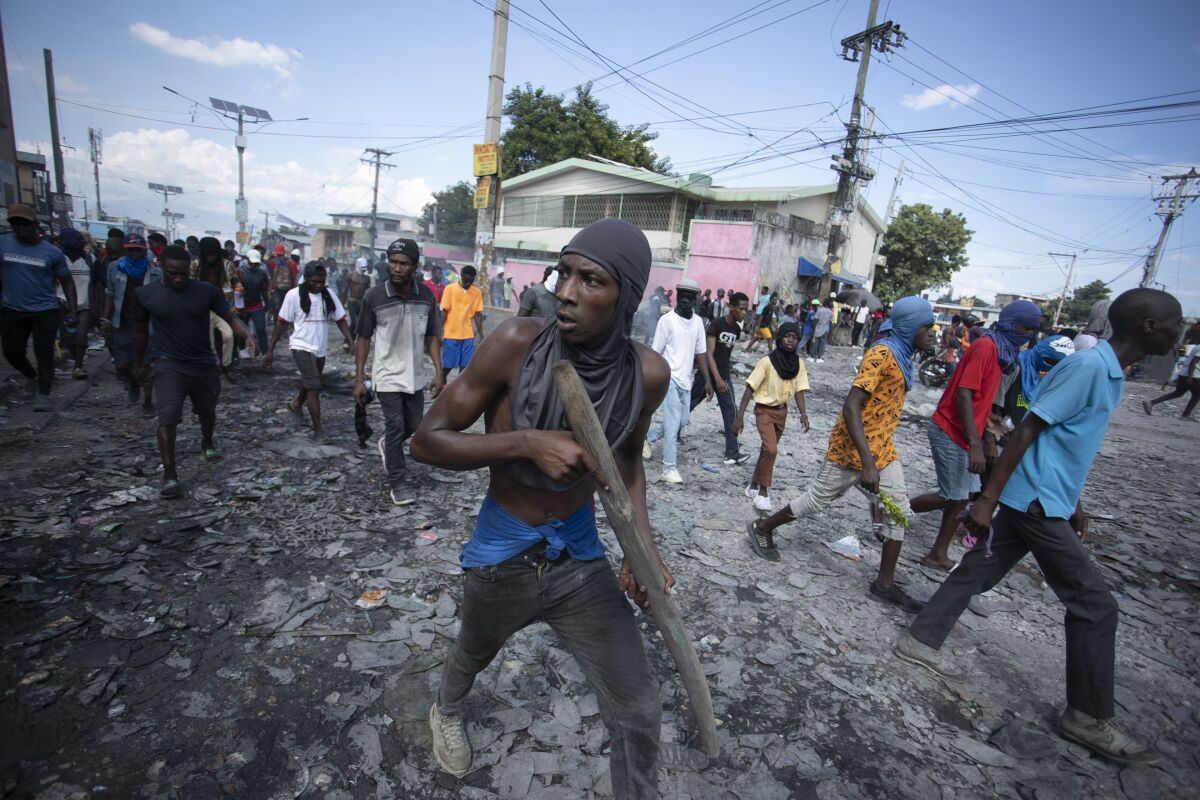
523,272
447,252
719,257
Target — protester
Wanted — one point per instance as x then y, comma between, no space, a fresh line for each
74,328
255,285
722,335
177,308
231,252
338,276
720,305
506,291
775,379
428,282
125,276
861,451
357,284
1187,380
822,324
705,309
807,326
764,330
402,317
211,267
309,308
157,243
1034,363
1037,483
535,554
29,269
680,340
539,301
957,427
496,287
462,325
1098,326
860,323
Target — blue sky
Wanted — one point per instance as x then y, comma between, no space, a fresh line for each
389,74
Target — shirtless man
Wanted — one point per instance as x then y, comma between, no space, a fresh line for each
535,554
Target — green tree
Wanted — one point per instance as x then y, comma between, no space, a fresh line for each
923,249
455,215
543,129
1080,305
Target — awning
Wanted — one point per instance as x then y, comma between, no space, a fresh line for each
849,279
807,269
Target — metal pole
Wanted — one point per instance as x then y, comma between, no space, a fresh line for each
95,138
485,220
240,143
167,217
1066,288
60,186
887,221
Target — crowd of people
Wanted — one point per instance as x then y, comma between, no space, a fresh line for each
1020,419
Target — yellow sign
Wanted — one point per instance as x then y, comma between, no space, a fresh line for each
487,159
483,192
242,237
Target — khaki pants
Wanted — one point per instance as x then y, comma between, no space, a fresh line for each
216,325
770,421
833,481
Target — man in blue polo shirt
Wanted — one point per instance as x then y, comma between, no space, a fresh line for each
1037,482
29,268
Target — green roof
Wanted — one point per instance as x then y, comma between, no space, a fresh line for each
699,191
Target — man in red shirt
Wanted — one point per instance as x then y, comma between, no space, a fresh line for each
957,428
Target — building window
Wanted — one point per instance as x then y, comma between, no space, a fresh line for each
649,211
390,227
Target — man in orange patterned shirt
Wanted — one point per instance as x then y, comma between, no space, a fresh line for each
861,452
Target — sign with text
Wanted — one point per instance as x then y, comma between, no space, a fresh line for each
487,159
483,192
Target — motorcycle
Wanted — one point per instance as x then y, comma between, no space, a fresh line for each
934,372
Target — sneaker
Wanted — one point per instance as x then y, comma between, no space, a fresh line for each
212,454
672,476
741,459
820,361
451,747
170,488
78,374
762,503
1148,407
1103,736
383,451
41,402
401,497
896,596
914,652
751,491
762,542
646,452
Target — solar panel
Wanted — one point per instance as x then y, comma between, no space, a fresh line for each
263,114
157,187
223,105
175,189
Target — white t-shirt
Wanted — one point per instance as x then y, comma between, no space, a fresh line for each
309,331
1182,364
679,341
861,317
81,274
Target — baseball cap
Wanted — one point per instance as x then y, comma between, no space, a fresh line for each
21,211
135,240
279,250
815,302
405,247
687,285
254,257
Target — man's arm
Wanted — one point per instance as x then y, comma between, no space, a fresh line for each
477,324
800,407
852,413
976,462
433,346
68,286
362,346
276,332
239,329
747,393
980,518
717,381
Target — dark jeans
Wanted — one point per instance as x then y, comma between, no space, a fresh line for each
1181,388
259,320
856,333
15,329
580,601
726,402
402,413
818,345
352,309
1091,617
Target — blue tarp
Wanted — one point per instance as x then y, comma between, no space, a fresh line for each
807,269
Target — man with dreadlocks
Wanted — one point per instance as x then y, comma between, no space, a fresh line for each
309,308
535,554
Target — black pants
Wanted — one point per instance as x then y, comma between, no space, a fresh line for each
1181,388
402,413
15,329
728,410
1091,618
581,603
856,333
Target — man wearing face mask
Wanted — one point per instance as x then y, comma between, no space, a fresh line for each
680,339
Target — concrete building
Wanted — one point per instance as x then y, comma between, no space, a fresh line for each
1003,299
388,227
729,237
33,184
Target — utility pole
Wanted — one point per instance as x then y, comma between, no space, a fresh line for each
166,192
266,224
485,220
1169,214
377,160
849,166
94,139
9,191
60,185
1066,286
887,221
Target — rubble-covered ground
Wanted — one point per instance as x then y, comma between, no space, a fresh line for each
278,631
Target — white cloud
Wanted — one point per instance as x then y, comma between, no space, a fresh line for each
237,52
946,94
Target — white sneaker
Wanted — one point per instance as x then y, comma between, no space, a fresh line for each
451,747
762,503
750,491
820,361
672,476
646,452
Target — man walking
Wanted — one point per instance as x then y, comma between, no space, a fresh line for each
29,270
75,330
680,339
535,554
255,288
496,287
1037,482
403,319
357,284
125,276
186,367
538,301
861,451
860,322
722,335
462,326
822,323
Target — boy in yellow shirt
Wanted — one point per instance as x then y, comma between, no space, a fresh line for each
462,323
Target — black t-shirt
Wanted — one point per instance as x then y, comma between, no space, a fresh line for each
726,335
254,286
132,284
180,317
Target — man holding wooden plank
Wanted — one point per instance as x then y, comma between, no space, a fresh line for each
535,553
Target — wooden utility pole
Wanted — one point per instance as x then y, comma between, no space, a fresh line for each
485,220
377,161
1066,286
849,165
94,140
1169,213
60,185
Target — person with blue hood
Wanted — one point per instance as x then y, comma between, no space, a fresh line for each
535,554
125,275
1034,363
958,425
861,451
